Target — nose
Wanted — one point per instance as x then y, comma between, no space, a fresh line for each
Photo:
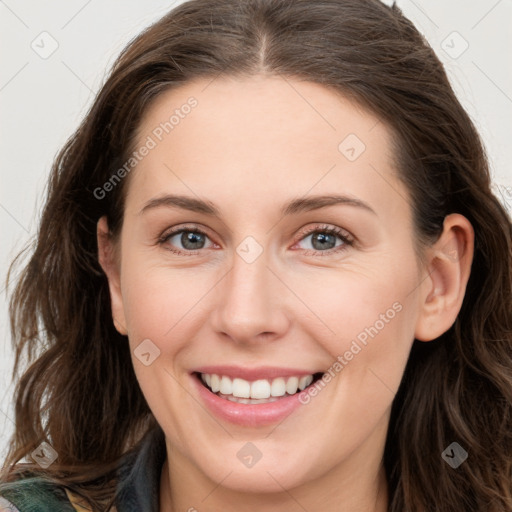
251,305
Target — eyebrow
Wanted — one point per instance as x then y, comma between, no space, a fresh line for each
295,206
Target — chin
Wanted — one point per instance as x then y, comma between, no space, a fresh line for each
270,476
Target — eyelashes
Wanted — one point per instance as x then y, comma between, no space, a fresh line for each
332,232
164,240
192,234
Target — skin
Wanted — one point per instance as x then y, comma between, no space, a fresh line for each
250,146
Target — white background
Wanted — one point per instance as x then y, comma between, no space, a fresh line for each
43,100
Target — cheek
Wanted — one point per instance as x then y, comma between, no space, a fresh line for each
364,321
347,305
159,301
162,308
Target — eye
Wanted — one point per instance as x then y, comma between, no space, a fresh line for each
323,239
191,240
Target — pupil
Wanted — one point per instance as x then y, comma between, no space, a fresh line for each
188,238
323,238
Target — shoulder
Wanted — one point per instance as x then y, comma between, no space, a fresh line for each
33,494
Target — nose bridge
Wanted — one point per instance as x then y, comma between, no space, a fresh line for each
248,305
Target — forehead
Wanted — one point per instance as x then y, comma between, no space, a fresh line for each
255,139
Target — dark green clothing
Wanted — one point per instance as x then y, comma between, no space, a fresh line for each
138,484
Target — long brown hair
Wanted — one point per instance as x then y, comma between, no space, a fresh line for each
78,390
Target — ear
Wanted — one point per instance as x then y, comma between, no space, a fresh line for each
108,261
449,266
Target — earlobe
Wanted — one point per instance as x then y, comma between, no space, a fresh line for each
448,270
107,260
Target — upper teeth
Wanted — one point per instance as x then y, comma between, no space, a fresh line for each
262,388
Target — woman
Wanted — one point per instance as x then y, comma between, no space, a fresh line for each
270,275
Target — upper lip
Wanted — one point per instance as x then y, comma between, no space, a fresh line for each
252,374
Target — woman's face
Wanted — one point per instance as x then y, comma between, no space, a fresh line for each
264,296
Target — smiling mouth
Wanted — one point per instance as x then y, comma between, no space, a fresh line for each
260,391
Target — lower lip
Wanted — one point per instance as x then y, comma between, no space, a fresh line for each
254,415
